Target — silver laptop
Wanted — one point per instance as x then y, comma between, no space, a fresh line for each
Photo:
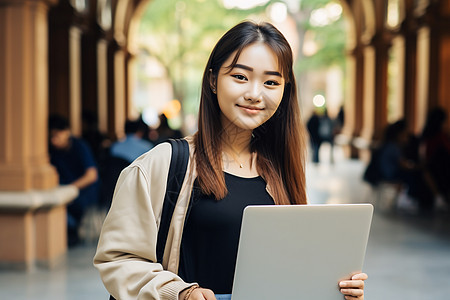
301,251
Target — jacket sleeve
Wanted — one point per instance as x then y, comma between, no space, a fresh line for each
126,252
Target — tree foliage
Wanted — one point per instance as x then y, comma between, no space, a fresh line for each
330,39
181,34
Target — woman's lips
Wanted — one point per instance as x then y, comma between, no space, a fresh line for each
250,109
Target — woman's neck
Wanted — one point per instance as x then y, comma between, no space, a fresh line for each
237,156
237,142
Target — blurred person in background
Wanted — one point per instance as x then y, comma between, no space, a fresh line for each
436,154
327,131
393,166
76,165
133,144
98,142
165,131
120,155
314,138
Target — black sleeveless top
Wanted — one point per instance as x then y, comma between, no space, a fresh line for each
211,233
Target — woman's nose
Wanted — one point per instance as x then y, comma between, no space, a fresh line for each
254,93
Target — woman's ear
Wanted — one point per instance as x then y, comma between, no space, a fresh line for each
212,81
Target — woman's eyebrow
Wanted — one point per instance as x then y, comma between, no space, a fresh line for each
240,66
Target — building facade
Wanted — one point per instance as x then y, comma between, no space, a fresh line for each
73,56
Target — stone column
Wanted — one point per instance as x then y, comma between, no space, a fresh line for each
444,90
410,98
120,108
24,162
358,105
443,98
356,68
368,107
116,89
30,199
380,92
102,79
422,77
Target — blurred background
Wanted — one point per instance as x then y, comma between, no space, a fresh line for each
373,84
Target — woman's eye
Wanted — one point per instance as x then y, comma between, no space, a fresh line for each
271,83
239,77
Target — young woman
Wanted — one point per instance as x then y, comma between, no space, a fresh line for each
249,150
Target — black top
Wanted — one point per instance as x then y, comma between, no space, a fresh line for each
211,233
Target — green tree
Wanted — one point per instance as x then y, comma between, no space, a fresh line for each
329,37
180,36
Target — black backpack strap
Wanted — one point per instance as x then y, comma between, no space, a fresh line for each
177,171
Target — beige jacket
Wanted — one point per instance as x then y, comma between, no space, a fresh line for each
127,246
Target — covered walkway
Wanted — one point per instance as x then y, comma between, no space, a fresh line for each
69,57
407,256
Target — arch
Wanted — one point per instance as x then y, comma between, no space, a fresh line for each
133,28
401,13
369,20
120,19
133,48
352,36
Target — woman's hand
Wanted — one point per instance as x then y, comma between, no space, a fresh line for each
354,288
198,294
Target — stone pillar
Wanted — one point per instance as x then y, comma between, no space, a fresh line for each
102,79
75,80
32,206
422,77
368,107
444,90
111,100
24,162
51,237
120,107
34,227
444,59
116,89
358,112
356,68
17,249
381,90
410,98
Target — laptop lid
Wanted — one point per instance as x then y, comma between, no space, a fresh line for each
300,251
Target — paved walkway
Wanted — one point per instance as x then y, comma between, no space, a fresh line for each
408,255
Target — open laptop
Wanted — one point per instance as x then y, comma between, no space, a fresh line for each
300,251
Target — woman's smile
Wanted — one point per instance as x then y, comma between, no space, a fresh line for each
253,110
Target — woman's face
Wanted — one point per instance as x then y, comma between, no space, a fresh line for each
250,93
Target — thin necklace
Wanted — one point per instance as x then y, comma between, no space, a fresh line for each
241,165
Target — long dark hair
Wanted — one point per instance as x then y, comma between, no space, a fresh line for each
279,142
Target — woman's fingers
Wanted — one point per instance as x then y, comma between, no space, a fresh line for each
354,288
208,294
359,284
352,292
202,294
360,276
